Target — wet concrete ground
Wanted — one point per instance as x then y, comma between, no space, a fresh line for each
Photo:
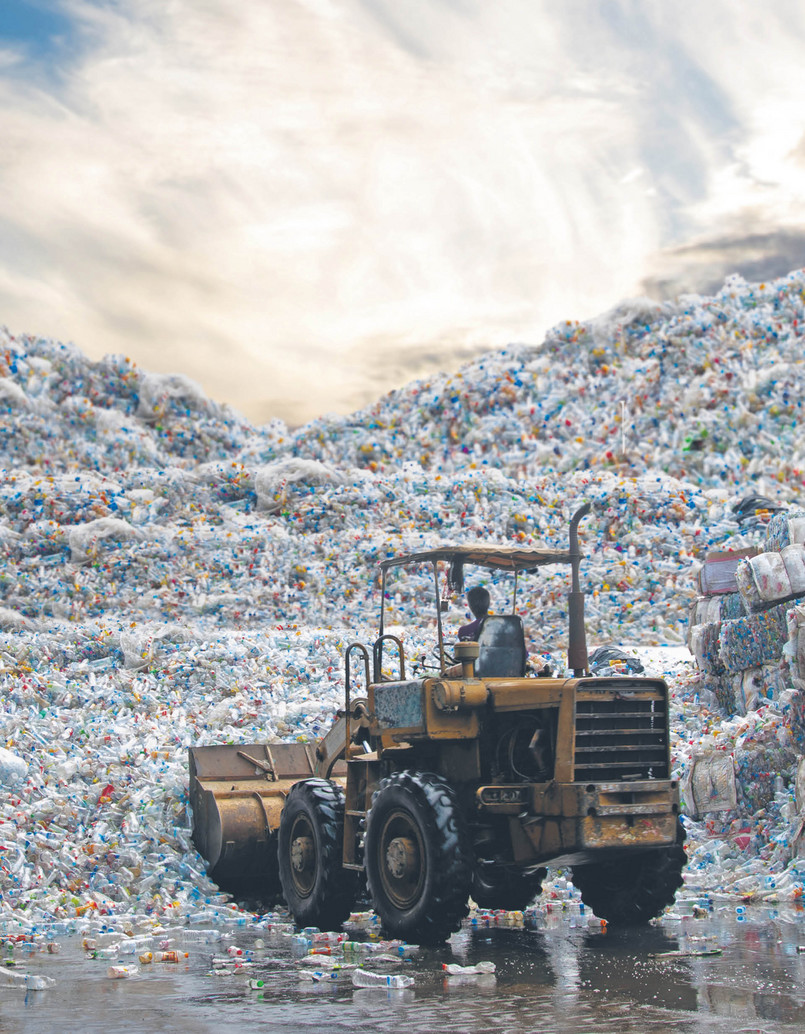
555,979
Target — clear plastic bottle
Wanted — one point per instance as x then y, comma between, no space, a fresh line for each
327,938
357,947
454,969
121,972
318,961
198,935
363,978
29,981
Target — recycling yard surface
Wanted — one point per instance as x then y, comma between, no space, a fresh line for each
172,576
715,972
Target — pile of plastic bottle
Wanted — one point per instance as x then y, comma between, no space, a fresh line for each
172,575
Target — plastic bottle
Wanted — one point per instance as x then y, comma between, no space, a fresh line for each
317,960
318,974
363,978
170,956
454,969
227,962
29,981
121,972
357,947
327,938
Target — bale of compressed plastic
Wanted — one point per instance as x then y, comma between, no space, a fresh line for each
794,559
799,786
718,573
753,640
709,785
720,686
732,606
784,529
765,750
704,645
757,686
706,609
763,579
795,647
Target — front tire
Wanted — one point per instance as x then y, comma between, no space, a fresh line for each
632,891
317,889
417,856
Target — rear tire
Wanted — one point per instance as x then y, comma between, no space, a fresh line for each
495,886
417,855
631,891
317,889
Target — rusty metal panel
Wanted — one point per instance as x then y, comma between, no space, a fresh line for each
226,762
527,693
618,831
259,761
399,705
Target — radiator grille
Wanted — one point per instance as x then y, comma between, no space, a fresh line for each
621,735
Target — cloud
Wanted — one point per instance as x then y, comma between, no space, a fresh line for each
748,248
301,205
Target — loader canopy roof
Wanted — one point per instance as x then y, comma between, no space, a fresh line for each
499,558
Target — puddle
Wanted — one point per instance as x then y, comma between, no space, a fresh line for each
556,979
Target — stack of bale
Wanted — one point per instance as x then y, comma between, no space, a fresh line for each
746,613
747,633
789,537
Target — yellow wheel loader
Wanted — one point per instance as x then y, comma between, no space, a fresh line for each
465,781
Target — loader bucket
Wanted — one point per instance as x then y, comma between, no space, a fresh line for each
237,793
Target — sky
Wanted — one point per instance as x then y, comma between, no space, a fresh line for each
303,204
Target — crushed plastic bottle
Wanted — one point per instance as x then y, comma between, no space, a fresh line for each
122,972
25,981
365,978
454,969
318,975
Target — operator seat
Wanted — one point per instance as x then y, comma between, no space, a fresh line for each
502,651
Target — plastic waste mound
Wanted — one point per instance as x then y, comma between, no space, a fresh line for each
172,575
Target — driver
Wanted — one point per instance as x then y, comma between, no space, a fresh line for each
478,602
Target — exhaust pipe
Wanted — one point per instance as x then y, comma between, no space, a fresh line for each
577,637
